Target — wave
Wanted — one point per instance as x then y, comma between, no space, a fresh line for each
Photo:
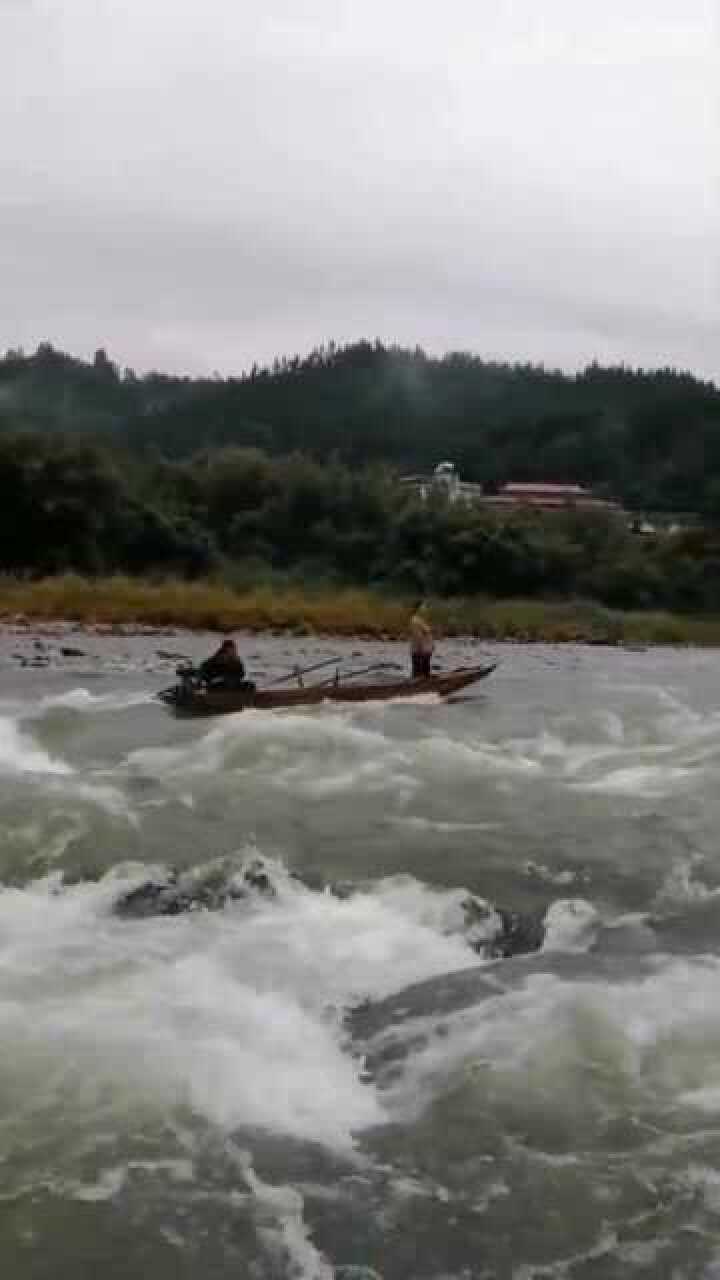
562,1048
79,698
19,754
237,1013
337,750
82,699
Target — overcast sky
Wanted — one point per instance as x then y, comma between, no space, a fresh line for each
195,184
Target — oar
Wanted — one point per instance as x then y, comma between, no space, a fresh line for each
364,671
350,675
304,671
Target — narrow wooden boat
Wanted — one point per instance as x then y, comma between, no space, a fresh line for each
189,697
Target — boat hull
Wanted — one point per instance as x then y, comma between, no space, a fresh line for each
190,700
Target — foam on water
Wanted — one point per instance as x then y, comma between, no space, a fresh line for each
231,1022
310,757
413,822
570,925
683,886
650,782
57,783
338,750
657,1037
252,738
20,755
279,1211
538,871
79,699
82,699
238,1013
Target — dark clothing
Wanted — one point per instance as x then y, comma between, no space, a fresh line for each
421,665
216,667
224,665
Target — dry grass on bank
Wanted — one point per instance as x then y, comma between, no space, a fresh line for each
338,611
199,605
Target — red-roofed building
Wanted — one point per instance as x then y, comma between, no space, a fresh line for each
550,497
444,480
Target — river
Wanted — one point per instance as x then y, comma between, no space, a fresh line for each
330,1076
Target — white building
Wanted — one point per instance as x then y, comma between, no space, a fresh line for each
444,480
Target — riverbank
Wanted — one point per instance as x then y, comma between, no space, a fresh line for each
127,604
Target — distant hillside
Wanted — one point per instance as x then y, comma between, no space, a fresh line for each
651,438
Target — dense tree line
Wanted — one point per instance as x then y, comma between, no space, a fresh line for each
72,503
650,438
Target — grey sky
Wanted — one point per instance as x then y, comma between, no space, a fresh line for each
199,183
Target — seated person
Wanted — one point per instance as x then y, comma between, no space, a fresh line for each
224,666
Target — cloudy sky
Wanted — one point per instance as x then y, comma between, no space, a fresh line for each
196,184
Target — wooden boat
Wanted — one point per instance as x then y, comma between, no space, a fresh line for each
190,697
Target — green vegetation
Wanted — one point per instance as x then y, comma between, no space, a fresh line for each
245,519
284,481
105,602
650,438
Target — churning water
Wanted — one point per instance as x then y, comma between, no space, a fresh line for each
329,1075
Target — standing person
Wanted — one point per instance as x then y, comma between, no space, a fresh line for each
421,642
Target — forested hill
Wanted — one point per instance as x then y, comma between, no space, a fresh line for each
651,438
